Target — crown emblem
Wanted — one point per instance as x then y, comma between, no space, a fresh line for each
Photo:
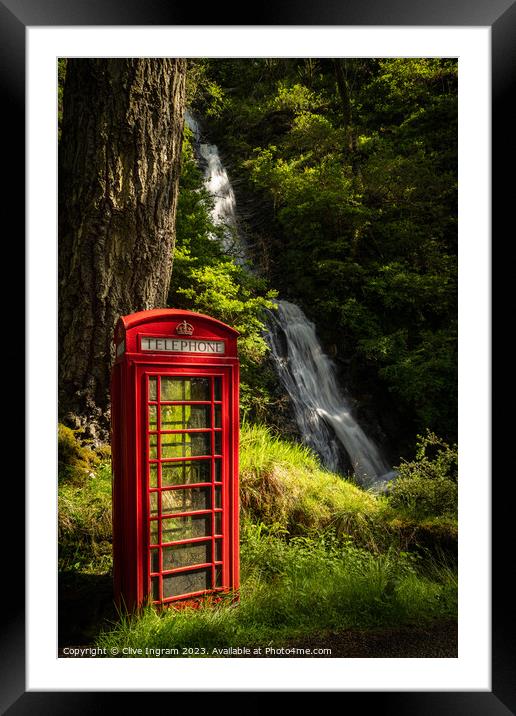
184,329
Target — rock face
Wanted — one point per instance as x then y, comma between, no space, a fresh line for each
119,163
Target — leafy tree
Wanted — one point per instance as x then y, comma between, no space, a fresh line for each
354,162
208,281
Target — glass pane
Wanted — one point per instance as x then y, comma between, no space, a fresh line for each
218,416
196,580
154,560
185,388
155,588
154,534
153,417
153,475
218,470
218,497
200,417
218,550
218,389
218,576
197,498
175,528
153,389
153,500
185,445
184,555
153,446
174,417
185,473
218,523
182,417
218,443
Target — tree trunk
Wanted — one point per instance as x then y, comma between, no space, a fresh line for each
343,87
358,180
119,163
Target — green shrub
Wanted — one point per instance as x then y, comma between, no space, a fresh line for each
421,534
427,486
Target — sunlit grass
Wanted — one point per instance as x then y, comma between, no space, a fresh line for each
282,483
84,523
292,589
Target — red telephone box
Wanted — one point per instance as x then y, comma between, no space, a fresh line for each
174,395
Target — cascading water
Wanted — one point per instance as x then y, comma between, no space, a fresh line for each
323,415
217,183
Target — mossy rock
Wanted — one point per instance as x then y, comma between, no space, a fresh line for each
76,461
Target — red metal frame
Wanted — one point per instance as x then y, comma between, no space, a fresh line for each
134,554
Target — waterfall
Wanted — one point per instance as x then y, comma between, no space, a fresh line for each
219,186
323,414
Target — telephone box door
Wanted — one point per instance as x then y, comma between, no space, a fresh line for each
188,501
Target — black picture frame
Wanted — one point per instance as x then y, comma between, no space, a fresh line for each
500,16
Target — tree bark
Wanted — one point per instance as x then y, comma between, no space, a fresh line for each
358,180
119,164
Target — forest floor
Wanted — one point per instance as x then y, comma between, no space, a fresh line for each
435,640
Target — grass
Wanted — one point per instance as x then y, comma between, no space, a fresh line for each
295,588
282,484
84,523
317,554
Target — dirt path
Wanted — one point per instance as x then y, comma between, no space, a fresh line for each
437,640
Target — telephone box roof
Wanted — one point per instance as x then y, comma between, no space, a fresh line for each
168,314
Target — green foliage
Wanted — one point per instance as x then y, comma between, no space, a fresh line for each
421,375
403,89
427,485
208,281
317,553
201,88
294,588
362,225
84,504
283,486
313,136
294,98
